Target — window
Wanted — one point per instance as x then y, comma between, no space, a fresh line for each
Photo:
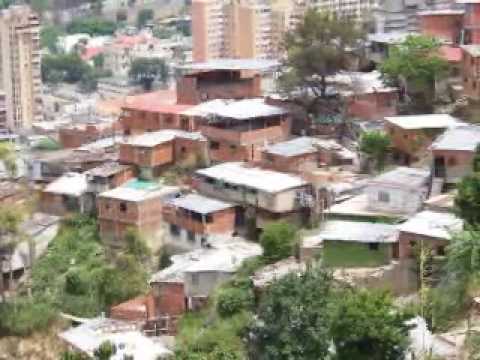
174,230
383,196
214,145
107,206
183,149
441,251
233,147
123,207
195,279
373,246
190,236
209,218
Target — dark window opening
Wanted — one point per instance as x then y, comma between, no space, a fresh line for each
123,207
190,236
373,246
174,230
214,145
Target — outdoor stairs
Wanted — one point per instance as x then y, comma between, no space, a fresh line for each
437,186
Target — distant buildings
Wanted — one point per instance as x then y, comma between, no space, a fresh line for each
241,29
20,66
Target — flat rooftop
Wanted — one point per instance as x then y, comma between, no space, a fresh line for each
464,138
71,184
432,224
233,64
137,190
242,174
236,109
427,121
352,231
200,204
151,139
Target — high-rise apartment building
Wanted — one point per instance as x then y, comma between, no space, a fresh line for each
360,10
241,28
20,76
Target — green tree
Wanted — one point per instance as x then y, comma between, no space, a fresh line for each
368,327
70,66
144,16
418,62
99,61
293,319
375,145
105,351
92,26
279,241
318,47
136,245
146,70
49,36
467,200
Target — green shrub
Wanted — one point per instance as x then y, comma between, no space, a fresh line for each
232,300
25,317
279,241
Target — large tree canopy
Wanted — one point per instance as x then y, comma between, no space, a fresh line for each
321,45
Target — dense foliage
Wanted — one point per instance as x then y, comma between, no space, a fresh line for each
144,16
145,71
367,327
91,26
49,36
317,48
279,240
467,200
418,62
294,318
64,67
375,145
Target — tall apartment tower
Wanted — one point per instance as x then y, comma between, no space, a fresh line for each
241,28
20,76
359,10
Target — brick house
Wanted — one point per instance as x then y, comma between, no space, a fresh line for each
453,153
108,176
444,25
262,195
222,79
471,21
367,96
137,118
471,71
433,229
193,220
192,277
412,135
303,154
237,130
135,205
74,136
151,152
66,195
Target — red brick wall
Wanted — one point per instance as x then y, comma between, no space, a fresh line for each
287,164
471,20
122,177
135,122
446,27
373,106
222,221
161,154
471,75
411,142
406,250
169,298
192,91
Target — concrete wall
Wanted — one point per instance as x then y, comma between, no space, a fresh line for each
202,284
401,199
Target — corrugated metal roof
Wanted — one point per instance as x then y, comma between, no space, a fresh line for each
354,231
151,139
72,184
404,176
426,121
238,173
432,224
233,64
465,138
200,204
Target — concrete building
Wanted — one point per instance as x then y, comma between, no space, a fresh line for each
359,10
401,190
196,274
195,220
20,76
453,153
241,29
